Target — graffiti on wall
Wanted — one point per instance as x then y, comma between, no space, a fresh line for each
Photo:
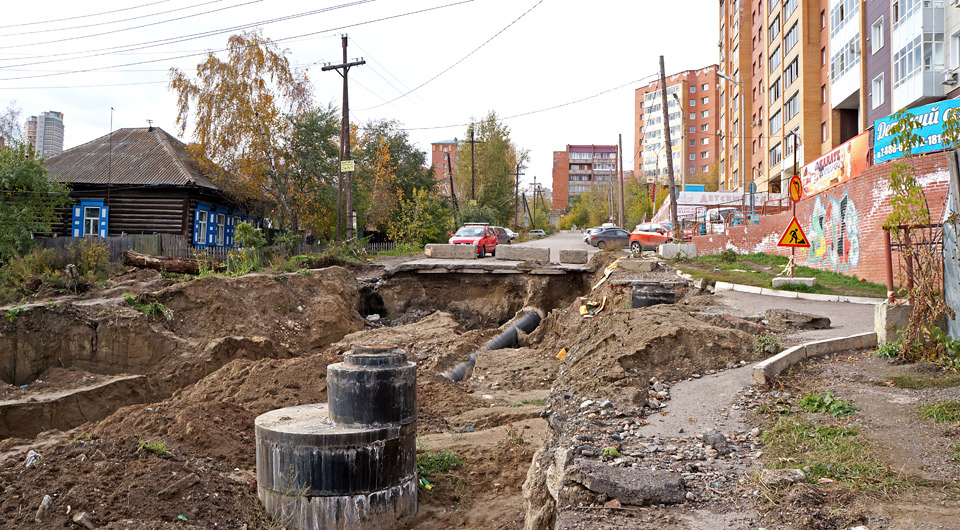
835,234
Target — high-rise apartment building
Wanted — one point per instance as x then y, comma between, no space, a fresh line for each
440,153
581,168
692,105
45,133
772,91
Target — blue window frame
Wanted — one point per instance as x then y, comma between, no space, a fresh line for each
201,225
90,218
214,226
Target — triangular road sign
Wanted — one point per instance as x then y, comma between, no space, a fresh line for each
793,236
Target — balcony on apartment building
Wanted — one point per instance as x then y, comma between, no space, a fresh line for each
918,55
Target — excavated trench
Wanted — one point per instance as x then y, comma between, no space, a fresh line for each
107,354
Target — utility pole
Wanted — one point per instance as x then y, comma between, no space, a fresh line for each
666,136
453,193
623,204
473,167
344,180
516,199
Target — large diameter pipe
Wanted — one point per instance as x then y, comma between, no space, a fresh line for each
510,338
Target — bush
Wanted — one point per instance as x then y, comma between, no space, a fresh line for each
248,236
728,256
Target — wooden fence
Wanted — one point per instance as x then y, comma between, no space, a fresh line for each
177,246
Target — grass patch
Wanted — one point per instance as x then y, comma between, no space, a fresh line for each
767,343
828,451
403,249
943,412
828,403
956,452
151,309
13,314
438,462
759,270
157,448
919,382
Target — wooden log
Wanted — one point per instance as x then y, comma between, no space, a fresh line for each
177,265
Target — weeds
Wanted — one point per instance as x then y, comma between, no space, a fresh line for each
438,462
157,448
889,350
919,382
609,453
766,343
13,314
943,412
513,437
835,406
536,402
151,309
956,452
831,452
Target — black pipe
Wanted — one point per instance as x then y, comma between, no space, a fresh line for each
510,338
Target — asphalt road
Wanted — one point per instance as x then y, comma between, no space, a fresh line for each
561,241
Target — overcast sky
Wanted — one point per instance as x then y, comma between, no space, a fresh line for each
558,52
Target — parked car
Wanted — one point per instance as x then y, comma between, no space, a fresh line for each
719,215
481,236
611,237
648,238
589,232
503,238
513,235
537,233
660,228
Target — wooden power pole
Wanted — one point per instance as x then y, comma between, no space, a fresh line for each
516,199
623,205
453,193
473,167
344,180
666,137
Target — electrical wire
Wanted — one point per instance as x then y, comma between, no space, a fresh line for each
447,69
329,30
83,86
126,48
52,30
82,16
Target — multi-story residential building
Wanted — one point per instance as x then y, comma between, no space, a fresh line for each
45,133
774,92
692,104
951,32
581,168
440,153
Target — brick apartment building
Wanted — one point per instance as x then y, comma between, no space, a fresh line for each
581,168
692,102
441,169
818,73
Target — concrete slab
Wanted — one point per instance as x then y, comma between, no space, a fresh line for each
638,265
723,286
888,319
573,256
766,371
437,251
781,281
518,253
674,250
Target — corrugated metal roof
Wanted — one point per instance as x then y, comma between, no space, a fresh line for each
138,156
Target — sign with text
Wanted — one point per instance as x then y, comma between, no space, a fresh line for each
931,118
793,236
839,165
347,166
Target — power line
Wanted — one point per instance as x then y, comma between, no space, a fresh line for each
52,30
82,16
447,69
125,48
329,30
82,86
111,32
368,55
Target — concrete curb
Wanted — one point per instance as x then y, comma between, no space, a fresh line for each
766,371
724,286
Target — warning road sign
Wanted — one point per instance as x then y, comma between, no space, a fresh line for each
796,189
793,236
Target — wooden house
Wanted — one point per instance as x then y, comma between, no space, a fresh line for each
141,181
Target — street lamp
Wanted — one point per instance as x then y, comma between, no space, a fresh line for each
740,127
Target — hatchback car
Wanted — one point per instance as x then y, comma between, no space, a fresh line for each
482,237
503,237
537,233
610,238
648,239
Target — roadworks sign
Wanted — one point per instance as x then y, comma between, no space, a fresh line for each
793,236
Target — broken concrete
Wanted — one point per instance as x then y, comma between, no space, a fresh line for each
793,319
783,282
437,251
573,256
776,478
638,487
887,319
675,250
638,265
516,253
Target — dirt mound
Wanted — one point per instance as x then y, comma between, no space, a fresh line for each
303,312
435,342
517,369
113,481
439,398
625,349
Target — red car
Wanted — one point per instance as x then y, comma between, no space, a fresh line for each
481,236
648,236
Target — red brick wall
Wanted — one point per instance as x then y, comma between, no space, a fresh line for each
843,224
561,179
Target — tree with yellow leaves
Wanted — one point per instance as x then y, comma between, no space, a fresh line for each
242,110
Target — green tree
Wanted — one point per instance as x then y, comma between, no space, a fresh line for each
639,203
243,111
496,162
315,148
29,200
